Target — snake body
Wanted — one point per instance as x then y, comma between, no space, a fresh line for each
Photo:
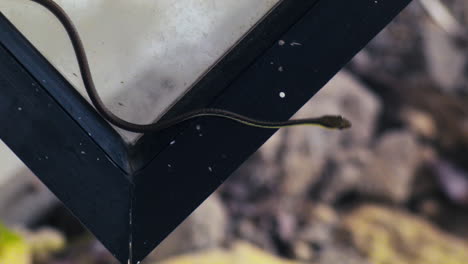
329,121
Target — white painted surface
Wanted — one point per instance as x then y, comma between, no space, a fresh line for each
144,54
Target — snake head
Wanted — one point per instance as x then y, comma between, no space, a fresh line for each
333,121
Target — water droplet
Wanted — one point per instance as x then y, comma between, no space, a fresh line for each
83,152
172,142
198,127
20,108
280,69
169,165
281,42
210,169
282,94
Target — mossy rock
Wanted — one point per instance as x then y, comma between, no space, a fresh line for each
13,248
23,247
387,236
240,253
44,243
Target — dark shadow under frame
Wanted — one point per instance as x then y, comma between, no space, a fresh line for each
60,137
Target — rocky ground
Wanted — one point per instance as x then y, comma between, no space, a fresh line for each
393,189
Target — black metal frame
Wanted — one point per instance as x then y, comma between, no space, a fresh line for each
140,193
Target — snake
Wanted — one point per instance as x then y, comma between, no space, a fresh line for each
326,121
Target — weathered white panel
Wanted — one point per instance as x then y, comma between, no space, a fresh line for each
144,54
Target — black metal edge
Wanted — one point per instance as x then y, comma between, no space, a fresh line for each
62,154
211,85
64,93
188,171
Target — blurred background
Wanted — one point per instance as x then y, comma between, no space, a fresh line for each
393,189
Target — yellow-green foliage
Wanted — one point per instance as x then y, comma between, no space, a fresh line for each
241,253
13,248
387,236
